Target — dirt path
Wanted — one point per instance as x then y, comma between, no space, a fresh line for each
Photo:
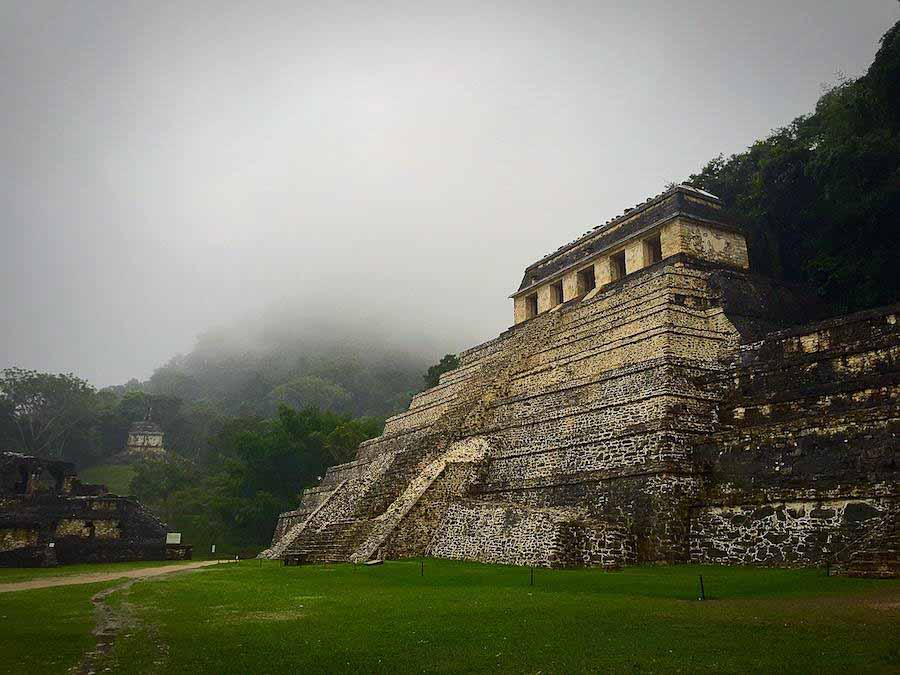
110,622
94,577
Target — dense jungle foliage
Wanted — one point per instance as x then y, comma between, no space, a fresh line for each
820,198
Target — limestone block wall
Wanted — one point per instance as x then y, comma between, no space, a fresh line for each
570,285
603,272
14,538
634,256
519,312
83,529
799,532
653,503
504,533
805,462
712,244
546,298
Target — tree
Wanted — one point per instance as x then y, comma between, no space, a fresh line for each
342,443
446,364
159,482
312,391
44,409
265,468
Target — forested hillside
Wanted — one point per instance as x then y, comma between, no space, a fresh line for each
356,373
820,198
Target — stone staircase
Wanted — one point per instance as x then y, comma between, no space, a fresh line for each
281,547
330,543
469,451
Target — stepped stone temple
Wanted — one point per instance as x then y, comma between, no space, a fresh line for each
655,401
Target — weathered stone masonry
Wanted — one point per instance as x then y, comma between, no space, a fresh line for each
649,404
48,516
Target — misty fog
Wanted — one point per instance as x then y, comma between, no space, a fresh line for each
271,172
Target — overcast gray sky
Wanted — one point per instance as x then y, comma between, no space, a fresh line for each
169,167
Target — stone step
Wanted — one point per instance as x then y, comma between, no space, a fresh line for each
798,387
874,570
784,432
330,542
810,345
754,413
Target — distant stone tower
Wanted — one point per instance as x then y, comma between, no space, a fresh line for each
145,439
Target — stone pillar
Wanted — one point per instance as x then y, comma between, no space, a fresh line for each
570,286
519,309
670,238
545,298
634,256
602,271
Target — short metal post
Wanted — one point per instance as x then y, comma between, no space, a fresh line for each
532,577
702,592
422,574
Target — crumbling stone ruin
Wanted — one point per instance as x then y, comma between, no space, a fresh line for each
48,516
655,401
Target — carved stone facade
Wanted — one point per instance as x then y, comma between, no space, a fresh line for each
650,406
682,220
47,517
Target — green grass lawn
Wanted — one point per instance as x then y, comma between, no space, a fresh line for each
249,618
116,477
46,630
